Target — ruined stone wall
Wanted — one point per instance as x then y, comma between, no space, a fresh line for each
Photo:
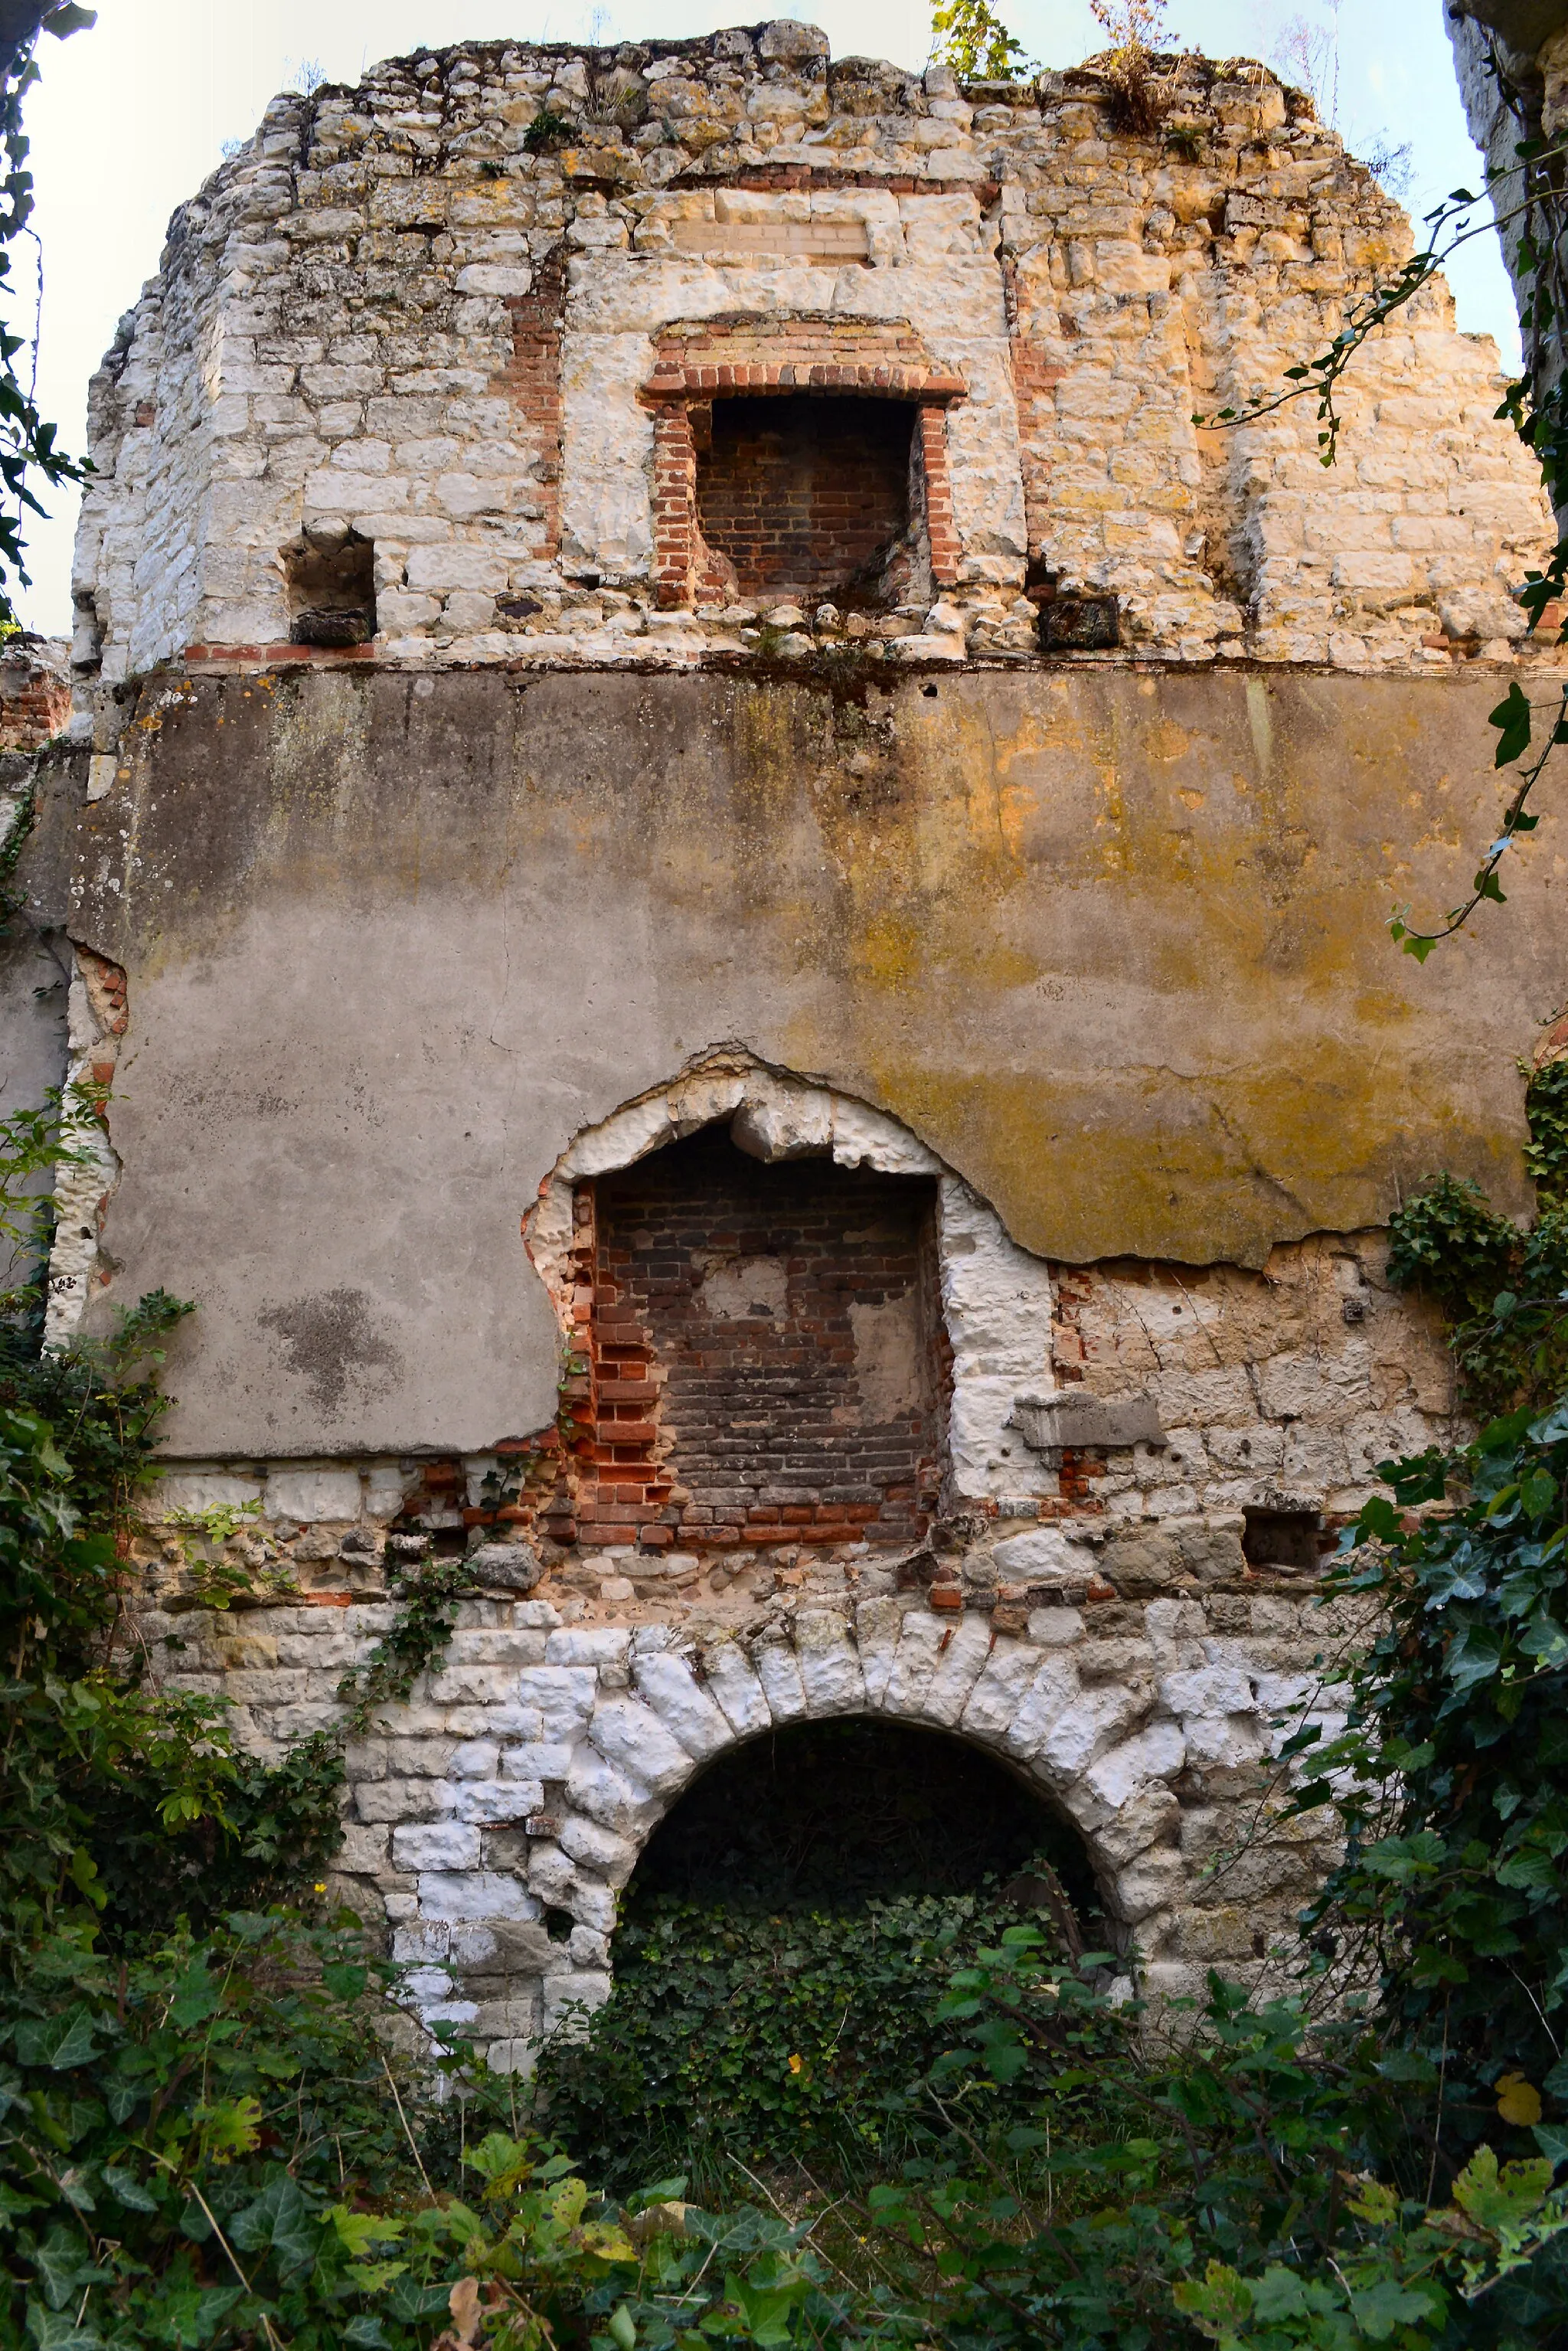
402,313
854,1181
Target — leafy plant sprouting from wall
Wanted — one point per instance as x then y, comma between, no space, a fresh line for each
1138,31
970,36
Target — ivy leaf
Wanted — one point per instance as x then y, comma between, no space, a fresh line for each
64,2266
344,1981
279,2218
57,2040
128,2190
1511,718
1475,1656
56,2330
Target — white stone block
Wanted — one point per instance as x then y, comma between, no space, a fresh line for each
588,1646
384,1492
732,1681
597,1848
476,1758
494,1804
879,1627
478,1894
1227,1738
958,1667
1055,1629
562,1696
492,277
519,2057
537,1760
593,1905
613,1798
1063,1729
1004,1682
1156,1753
570,2000
915,1663
435,1845
551,1875
309,1494
1210,1689
830,1664
203,1489
682,1705
778,1671
1043,1555
629,1734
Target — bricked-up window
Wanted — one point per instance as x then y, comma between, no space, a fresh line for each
766,1353
801,493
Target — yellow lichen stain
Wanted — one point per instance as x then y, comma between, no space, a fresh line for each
1089,1163
1017,804
1191,799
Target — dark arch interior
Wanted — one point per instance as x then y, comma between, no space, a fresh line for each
834,1815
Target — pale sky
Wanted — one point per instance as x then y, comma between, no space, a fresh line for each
131,117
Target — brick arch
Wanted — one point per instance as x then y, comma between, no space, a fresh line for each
830,357
619,1723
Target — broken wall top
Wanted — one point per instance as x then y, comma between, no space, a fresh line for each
428,313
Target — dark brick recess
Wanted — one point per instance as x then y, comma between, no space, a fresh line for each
760,1426
804,493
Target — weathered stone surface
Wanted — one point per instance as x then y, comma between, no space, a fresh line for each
682,1705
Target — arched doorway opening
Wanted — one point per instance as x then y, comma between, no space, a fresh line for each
839,1815
785,1943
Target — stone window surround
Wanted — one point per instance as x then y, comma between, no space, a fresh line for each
810,360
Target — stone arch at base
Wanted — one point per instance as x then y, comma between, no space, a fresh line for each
630,1719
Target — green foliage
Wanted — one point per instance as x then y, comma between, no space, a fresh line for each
1546,1154
1504,1291
549,130
1452,1779
27,444
1450,1241
798,2036
417,1637
1156,2181
970,38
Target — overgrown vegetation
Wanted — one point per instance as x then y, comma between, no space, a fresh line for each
919,2113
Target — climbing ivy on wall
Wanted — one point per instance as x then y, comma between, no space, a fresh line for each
1502,1289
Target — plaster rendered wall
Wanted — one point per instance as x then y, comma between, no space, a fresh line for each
1111,945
